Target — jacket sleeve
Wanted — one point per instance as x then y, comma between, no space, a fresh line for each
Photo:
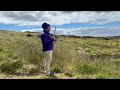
46,39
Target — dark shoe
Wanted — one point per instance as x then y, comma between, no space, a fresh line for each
52,73
49,74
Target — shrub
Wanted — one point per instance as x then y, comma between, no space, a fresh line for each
57,69
87,69
11,66
28,70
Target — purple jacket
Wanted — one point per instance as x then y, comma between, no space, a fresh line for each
47,42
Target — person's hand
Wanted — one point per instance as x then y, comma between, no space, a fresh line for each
55,39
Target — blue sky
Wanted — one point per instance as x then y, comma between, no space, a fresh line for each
62,20
64,26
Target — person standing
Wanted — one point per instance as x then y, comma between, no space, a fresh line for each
48,46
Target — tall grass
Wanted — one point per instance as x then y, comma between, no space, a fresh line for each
75,57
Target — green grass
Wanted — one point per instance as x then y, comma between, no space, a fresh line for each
80,58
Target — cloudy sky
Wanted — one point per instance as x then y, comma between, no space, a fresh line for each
67,22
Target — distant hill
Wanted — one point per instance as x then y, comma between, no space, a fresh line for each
74,36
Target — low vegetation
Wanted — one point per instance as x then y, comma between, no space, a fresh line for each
79,58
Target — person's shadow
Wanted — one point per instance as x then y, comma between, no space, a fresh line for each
50,76
53,77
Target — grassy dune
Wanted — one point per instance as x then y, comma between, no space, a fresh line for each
80,58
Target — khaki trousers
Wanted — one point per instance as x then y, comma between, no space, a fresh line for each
47,60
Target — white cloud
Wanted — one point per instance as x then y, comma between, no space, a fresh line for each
58,17
32,30
96,31
58,30
89,31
